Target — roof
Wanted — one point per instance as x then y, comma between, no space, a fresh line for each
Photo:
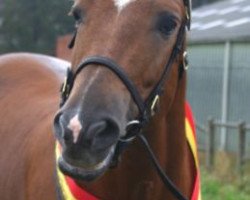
227,20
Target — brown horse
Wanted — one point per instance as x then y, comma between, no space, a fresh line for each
101,102
28,87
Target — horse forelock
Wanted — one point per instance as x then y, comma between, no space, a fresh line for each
121,4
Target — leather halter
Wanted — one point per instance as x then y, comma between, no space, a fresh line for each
146,108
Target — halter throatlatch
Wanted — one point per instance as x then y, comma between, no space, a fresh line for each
146,108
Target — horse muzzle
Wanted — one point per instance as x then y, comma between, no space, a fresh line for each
86,146
82,171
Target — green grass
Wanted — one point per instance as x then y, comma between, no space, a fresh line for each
215,189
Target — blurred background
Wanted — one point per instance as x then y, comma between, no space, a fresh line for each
218,91
33,25
218,78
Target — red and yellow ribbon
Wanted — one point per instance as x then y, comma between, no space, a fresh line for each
69,189
191,138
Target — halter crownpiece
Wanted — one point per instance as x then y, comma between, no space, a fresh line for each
188,8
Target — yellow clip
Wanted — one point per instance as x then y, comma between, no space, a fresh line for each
153,106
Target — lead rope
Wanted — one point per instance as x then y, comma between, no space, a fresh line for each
171,186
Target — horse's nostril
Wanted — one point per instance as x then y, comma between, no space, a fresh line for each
96,128
103,134
99,135
67,135
61,130
57,126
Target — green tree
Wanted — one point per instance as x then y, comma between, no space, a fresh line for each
33,25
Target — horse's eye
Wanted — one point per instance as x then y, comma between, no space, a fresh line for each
166,24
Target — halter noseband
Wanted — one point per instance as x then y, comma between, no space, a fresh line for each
146,108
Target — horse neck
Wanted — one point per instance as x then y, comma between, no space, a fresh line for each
168,138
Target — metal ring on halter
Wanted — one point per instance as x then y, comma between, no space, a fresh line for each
127,140
133,122
130,124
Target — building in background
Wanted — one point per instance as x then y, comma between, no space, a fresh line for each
219,76
198,3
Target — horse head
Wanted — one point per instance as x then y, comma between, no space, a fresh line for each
125,54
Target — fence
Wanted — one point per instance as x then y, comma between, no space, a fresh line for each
218,85
240,128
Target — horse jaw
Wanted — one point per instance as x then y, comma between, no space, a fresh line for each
84,173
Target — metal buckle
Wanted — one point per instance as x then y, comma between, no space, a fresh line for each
64,86
154,104
185,61
133,122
